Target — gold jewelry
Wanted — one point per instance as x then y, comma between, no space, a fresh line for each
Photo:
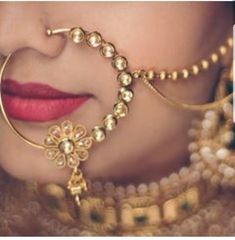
68,144
194,70
148,209
191,107
213,142
107,208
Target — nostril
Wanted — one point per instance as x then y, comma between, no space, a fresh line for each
32,36
52,46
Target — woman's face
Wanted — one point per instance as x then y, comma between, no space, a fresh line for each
152,140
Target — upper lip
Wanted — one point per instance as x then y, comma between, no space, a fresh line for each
39,102
36,90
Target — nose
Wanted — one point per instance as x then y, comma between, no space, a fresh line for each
24,25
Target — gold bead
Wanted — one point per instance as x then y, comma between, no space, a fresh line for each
222,50
169,75
136,74
185,73
230,42
195,70
205,64
66,146
77,34
174,75
125,78
150,74
98,134
120,109
110,122
162,75
94,39
125,94
214,57
107,50
119,63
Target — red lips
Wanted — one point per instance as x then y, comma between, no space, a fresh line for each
38,102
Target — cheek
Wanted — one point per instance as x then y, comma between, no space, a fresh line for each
143,136
25,162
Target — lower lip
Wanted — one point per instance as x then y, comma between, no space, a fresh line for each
41,109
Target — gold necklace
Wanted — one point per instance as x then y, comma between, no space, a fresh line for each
147,209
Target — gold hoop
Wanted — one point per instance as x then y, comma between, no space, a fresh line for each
68,144
119,63
6,118
185,106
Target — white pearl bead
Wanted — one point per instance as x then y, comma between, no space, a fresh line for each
193,146
199,166
195,176
222,153
211,115
154,188
195,157
206,124
229,172
131,190
207,174
174,177
205,151
183,171
142,189
222,167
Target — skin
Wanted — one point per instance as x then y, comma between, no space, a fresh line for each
152,141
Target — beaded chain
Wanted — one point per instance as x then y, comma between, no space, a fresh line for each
187,72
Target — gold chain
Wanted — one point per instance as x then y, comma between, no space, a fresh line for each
191,71
225,75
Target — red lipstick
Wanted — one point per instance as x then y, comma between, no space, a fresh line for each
37,102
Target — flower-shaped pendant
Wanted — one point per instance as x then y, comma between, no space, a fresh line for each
67,144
